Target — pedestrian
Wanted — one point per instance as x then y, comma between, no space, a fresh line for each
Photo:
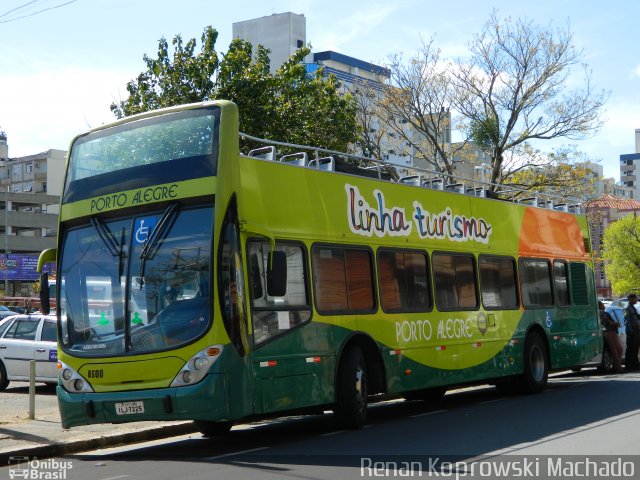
632,326
611,327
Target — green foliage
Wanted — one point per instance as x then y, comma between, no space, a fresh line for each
288,105
621,253
565,173
485,133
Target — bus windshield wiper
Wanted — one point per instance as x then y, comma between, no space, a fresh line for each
158,232
106,237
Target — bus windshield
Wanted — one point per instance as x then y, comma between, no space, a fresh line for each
160,149
136,284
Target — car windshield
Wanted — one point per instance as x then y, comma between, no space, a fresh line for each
136,284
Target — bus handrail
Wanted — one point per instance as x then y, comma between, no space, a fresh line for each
462,184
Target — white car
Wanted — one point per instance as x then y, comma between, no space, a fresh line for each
24,338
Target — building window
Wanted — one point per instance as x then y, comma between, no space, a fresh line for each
29,168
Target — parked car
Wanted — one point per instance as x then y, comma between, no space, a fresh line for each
616,313
24,338
5,312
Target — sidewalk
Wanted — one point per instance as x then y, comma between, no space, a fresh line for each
45,437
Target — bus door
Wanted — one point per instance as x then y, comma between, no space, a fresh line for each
232,297
289,361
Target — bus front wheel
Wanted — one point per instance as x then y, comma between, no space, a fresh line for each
351,405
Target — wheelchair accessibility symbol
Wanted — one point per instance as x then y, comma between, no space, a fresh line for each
143,228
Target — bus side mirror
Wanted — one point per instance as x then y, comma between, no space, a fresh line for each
277,274
45,301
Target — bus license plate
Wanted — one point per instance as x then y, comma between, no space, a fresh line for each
129,408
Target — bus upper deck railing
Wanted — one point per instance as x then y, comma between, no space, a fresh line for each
331,160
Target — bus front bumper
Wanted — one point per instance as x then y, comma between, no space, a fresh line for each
206,400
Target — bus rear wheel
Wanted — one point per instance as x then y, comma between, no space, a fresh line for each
213,429
536,364
351,405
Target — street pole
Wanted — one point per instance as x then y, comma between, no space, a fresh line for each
6,242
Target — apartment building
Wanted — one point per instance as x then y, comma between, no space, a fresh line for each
30,189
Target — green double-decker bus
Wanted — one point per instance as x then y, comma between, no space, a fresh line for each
197,282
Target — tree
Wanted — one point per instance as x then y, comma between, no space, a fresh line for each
513,89
621,253
417,104
289,105
564,172
372,132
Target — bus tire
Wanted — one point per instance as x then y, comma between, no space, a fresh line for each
536,364
351,404
4,381
213,429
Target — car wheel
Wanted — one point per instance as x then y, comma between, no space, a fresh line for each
607,361
351,405
4,381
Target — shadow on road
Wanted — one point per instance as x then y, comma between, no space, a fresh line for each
467,423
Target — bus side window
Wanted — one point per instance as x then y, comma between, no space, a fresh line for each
403,281
535,282
498,282
580,287
343,279
455,281
274,314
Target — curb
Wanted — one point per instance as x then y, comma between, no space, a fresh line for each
76,446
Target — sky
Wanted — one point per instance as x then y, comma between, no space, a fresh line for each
66,61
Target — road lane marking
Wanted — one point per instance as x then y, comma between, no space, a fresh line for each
428,413
332,433
233,454
491,401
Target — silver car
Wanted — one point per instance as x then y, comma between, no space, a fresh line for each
24,338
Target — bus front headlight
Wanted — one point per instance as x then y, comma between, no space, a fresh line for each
197,366
72,381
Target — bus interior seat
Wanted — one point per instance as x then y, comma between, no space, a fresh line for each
265,153
299,158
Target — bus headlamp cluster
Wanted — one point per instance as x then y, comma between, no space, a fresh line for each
72,381
197,367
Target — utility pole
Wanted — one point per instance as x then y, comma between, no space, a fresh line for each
6,242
